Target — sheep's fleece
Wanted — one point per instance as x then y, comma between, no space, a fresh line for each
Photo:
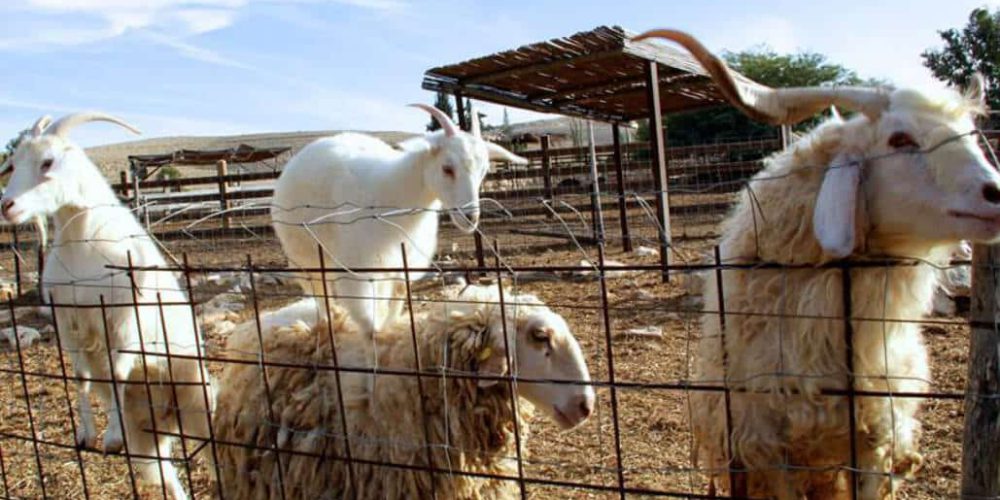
472,432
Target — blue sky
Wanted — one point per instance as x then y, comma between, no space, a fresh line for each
215,67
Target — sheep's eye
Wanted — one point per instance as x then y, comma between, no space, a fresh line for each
542,335
900,140
46,165
9,169
449,171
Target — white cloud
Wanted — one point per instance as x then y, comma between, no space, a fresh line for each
65,23
379,5
195,52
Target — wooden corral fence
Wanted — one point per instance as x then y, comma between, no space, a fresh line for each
552,173
231,204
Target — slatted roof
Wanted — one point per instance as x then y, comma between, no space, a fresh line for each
241,154
597,74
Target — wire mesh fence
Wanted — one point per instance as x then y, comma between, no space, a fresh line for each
452,399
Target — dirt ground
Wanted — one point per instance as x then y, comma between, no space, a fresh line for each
653,425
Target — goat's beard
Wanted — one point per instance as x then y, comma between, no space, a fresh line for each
459,220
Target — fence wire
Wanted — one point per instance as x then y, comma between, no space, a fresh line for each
540,235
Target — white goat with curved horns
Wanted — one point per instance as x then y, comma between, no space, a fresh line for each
903,179
52,176
360,198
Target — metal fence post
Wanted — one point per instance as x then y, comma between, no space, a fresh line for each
547,172
222,169
620,179
980,460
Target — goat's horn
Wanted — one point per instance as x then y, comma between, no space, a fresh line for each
774,106
476,127
63,125
449,126
40,125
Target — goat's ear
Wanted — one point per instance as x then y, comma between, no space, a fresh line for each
835,115
39,127
976,89
498,153
492,362
835,214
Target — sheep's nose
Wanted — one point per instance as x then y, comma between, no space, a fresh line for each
585,405
991,193
5,206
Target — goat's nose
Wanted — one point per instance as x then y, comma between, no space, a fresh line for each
991,193
6,205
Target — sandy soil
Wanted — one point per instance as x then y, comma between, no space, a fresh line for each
653,425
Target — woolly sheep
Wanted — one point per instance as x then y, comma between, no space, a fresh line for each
360,198
470,423
52,176
905,178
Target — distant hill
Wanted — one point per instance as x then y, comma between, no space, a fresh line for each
113,158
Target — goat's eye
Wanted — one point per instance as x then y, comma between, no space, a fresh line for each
449,171
46,165
900,140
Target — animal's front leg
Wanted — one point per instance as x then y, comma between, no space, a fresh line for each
358,296
113,437
86,433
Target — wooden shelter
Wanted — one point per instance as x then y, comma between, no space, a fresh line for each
596,75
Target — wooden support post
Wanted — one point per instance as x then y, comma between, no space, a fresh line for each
123,182
658,152
222,169
465,125
135,187
620,178
41,264
596,216
17,260
786,136
547,171
980,460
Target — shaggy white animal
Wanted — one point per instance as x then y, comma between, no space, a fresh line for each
52,176
904,179
360,198
470,422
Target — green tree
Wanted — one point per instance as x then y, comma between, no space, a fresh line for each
975,47
467,110
442,102
769,68
11,145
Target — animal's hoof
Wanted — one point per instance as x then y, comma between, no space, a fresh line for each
112,443
908,465
85,440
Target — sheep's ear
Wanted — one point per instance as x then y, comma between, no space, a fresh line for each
492,362
498,153
834,217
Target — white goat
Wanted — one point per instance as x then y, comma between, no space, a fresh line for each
360,198
905,179
52,176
